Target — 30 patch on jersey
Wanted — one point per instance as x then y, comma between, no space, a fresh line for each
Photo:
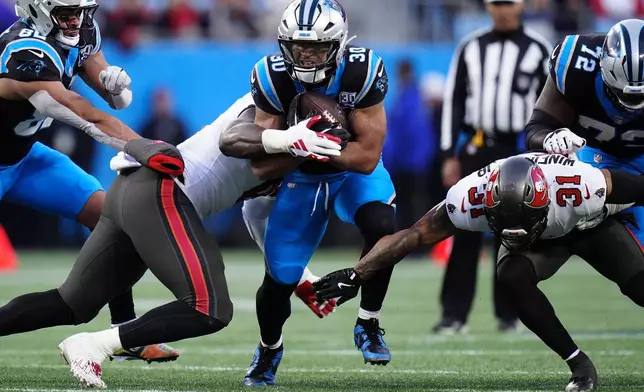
347,100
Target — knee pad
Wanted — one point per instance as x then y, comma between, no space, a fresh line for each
516,271
634,288
376,220
286,274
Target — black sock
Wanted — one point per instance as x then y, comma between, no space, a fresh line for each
375,220
273,303
374,291
122,308
34,311
535,311
168,323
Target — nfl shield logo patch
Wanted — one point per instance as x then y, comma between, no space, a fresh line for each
597,158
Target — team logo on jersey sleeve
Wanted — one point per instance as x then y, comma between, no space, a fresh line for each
32,66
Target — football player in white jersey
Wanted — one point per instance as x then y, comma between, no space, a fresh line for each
544,208
153,221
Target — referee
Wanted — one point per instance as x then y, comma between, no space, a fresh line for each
494,80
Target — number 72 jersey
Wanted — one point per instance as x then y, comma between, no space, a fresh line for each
577,193
574,67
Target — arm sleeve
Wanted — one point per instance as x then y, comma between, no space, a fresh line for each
31,66
377,86
454,102
263,91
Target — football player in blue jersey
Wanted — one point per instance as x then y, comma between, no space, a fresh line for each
41,54
315,56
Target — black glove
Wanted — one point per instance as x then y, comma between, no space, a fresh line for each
341,133
342,284
157,155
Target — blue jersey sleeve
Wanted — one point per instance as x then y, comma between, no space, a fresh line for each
263,89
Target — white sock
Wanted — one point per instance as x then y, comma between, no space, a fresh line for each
272,346
109,340
573,355
307,275
367,315
119,324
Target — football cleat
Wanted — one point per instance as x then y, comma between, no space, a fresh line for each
584,374
368,337
152,353
581,384
305,292
449,326
84,357
264,366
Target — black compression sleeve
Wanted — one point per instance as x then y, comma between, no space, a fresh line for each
539,126
626,188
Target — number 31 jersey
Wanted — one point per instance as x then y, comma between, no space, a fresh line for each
577,195
574,67
27,56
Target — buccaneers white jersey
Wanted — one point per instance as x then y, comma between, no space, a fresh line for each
212,181
577,195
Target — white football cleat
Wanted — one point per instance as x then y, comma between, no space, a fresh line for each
84,355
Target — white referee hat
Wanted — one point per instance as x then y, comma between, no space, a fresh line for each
503,1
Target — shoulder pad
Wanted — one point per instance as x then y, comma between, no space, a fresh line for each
33,54
364,71
266,76
574,57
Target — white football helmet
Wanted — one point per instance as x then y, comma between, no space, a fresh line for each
313,35
46,15
622,63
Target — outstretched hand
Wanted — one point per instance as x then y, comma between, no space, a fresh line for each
342,284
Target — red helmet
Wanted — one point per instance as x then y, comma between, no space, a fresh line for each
517,202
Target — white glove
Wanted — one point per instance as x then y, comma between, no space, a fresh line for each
114,79
299,140
563,141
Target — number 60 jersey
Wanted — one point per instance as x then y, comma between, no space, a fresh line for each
577,195
574,67
27,56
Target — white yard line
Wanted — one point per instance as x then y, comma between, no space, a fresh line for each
429,352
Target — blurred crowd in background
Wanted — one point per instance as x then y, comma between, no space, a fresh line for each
414,108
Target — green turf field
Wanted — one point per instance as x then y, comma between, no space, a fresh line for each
319,354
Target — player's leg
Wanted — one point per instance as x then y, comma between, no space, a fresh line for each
255,213
519,273
50,182
367,201
506,314
459,282
614,250
295,228
168,235
105,266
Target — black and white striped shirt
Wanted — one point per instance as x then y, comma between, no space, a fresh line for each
493,83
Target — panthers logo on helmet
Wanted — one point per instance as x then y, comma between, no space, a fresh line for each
336,6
